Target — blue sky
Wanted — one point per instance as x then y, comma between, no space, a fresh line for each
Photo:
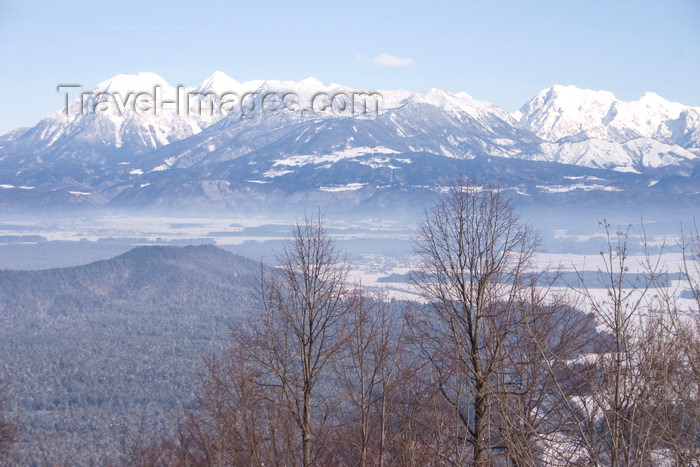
500,51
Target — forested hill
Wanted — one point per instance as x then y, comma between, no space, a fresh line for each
89,348
146,281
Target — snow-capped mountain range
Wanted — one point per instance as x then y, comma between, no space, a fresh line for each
231,144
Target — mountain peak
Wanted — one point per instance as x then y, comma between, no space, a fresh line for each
219,83
651,99
569,112
460,102
218,75
311,82
130,83
571,97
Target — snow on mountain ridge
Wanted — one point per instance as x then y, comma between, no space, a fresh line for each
219,83
635,155
580,127
560,112
455,103
555,112
118,94
132,83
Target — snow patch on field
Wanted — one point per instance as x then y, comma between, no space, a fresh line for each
349,153
167,163
576,186
272,173
339,188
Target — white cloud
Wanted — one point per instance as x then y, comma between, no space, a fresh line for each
391,60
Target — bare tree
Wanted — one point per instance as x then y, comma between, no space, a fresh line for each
635,373
234,422
690,246
684,389
271,396
619,312
475,255
370,374
534,385
302,329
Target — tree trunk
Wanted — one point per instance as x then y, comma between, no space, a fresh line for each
306,432
479,424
